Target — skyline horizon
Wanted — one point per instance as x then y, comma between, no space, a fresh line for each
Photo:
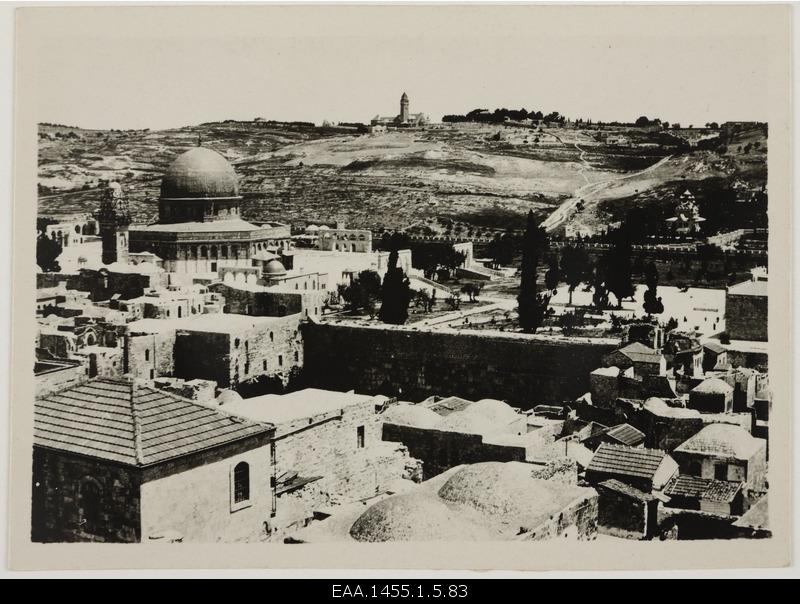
322,63
335,121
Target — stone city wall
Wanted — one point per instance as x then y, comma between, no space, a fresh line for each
522,370
746,317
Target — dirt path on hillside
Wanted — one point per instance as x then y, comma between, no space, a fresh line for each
586,192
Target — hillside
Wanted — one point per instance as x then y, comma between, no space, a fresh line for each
467,178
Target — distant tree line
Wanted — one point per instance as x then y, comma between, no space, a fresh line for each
498,116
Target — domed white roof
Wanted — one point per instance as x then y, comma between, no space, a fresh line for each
274,268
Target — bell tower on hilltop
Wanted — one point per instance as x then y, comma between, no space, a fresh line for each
404,114
114,218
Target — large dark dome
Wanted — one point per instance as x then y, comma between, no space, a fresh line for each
200,173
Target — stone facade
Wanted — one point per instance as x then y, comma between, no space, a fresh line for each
270,303
240,352
83,499
197,502
577,521
345,450
78,498
522,370
752,472
345,240
150,355
441,450
746,316
624,515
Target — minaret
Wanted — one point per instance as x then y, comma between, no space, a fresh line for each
404,108
114,218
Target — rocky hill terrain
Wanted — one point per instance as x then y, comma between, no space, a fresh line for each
474,179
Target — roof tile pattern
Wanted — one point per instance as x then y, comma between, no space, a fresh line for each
702,488
626,461
124,422
626,434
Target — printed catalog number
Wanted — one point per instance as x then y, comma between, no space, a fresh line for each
400,591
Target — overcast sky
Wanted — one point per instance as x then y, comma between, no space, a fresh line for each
158,68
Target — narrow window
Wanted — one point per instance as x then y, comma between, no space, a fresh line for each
90,506
360,436
265,365
280,360
241,482
146,355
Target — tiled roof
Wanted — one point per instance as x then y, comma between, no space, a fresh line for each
621,487
702,488
639,353
722,491
714,347
685,485
626,434
626,461
722,440
129,423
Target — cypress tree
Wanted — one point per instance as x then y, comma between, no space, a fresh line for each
396,293
531,305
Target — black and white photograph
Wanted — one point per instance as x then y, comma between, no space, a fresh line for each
437,275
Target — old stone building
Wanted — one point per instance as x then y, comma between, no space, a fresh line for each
118,461
706,495
724,452
199,227
405,119
229,349
341,239
746,310
644,360
645,469
712,395
625,511
327,450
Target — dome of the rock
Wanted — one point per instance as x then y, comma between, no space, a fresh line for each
200,173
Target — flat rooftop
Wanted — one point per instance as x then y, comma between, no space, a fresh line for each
283,408
209,323
750,288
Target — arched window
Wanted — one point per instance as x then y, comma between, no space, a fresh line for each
241,482
90,505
